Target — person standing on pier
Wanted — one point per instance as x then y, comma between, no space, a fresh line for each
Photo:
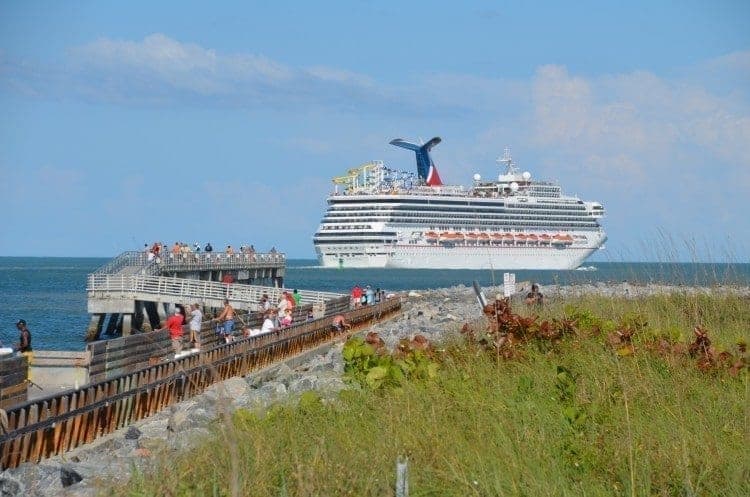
357,295
208,248
297,297
227,317
196,318
24,339
174,325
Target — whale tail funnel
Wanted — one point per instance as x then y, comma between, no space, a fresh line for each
426,169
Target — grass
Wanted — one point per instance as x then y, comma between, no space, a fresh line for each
570,418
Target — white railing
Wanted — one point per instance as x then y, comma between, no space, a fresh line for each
126,259
187,290
218,260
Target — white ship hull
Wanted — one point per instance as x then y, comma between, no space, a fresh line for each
462,257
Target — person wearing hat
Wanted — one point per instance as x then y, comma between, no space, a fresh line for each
24,339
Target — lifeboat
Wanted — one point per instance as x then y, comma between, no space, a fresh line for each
532,238
497,236
544,239
484,236
508,238
567,239
431,236
471,236
561,239
520,238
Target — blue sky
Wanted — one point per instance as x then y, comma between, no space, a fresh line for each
128,122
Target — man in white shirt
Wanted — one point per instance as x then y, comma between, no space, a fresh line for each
196,318
268,323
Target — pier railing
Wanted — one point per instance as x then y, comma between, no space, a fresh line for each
172,289
139,262
202,261
56,424
131,258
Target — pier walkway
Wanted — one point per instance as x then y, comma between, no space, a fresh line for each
117,292
136,289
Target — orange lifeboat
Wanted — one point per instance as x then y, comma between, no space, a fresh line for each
431,236
508,238
520,237
558,239
567,239
484,236
532,238
544,238
471,236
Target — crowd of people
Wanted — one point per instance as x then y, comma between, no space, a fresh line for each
366,296
158,250
276,316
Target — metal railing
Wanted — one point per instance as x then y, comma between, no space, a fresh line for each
134,262
172,289
131,258
197,261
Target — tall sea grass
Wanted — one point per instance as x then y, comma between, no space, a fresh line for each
572,418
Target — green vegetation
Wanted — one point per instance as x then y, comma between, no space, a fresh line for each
606,400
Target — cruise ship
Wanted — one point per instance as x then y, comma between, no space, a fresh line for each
385,218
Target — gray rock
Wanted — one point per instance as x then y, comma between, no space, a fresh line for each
302,384
69,476
133,433
11,487
283,373
39,479
178,419
273,389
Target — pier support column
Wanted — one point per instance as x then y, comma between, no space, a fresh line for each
127,320
94,329
161,311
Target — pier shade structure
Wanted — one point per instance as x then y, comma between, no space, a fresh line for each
136,292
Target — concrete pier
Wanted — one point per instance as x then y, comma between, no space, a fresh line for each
133,292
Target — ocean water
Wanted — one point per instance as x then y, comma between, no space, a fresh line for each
50,292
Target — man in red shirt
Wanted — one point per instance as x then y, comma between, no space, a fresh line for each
174,325
357,295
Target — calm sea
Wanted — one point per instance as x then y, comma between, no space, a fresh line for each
50,292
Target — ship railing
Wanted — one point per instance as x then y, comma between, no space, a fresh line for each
173,289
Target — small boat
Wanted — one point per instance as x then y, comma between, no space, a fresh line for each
520,238
431,236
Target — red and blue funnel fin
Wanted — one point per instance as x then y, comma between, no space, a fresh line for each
426,169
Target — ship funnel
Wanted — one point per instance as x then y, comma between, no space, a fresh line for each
426,169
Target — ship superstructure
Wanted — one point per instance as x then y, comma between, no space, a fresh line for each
382,217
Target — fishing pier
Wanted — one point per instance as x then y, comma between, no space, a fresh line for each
125,379
135,292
